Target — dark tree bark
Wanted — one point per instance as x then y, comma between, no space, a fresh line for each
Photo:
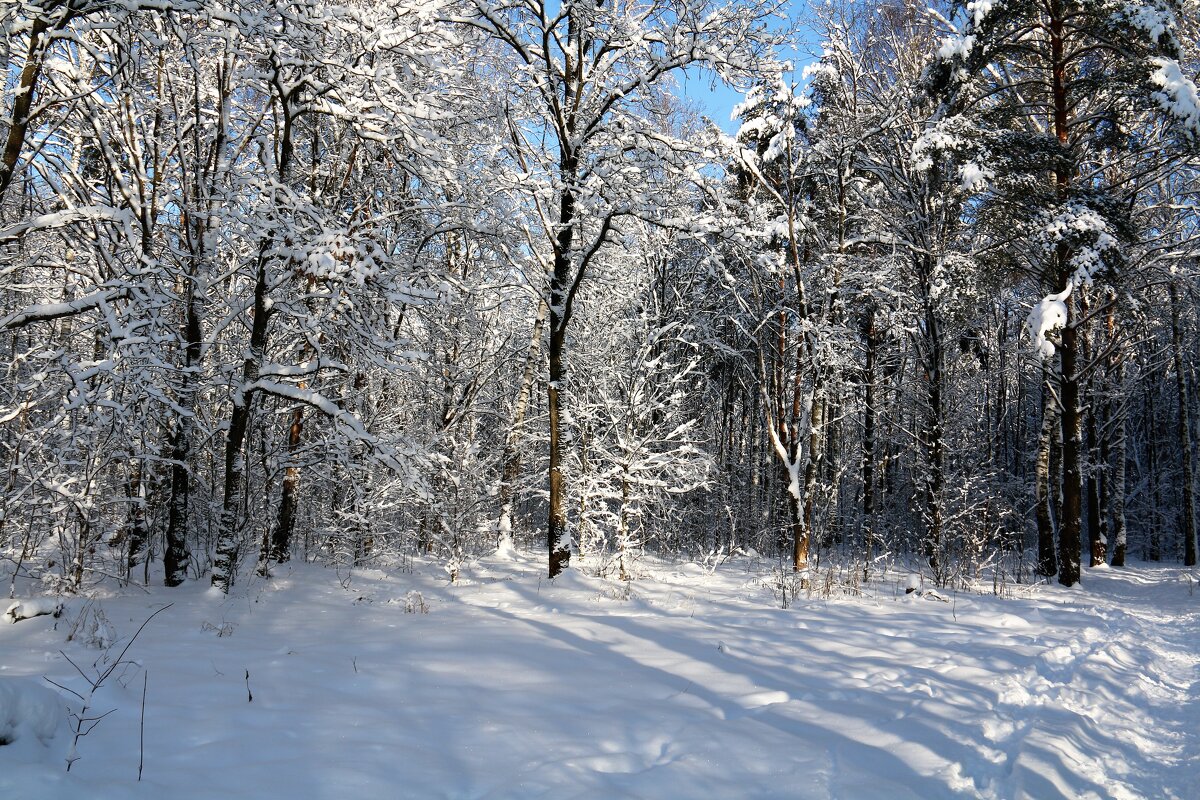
18,124
558,537
228,540
1094,482
1071,521
1184,422
137,533
1070,542
285,523
871,343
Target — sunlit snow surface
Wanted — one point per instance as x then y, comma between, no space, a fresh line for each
695,686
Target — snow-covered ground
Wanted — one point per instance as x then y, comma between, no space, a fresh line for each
397,685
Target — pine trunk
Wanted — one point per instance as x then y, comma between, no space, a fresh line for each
558,541
1185,440
1070,541
933,444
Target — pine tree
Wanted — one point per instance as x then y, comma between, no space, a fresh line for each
1052,91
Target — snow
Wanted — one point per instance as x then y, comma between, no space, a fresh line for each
1047,316
34,737
956,47
979,10
1154,20
974,178
25,609
945,136
1177,94
32,717
1086,233
689,682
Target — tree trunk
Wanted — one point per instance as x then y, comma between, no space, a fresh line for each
1184,435
281,537
1153,544
802,539
1097,543
138,535
228,538
1116,404
1047,561
197,222
558,537
280,546
1117,490
868,444
1070,522
932,441
511,459
623,526
175,554
1070,543
18,126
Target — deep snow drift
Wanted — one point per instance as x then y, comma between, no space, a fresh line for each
693,685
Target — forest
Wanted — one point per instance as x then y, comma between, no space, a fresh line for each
356,282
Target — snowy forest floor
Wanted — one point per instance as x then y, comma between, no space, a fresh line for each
691,684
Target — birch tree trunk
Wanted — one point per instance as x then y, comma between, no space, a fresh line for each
1047,560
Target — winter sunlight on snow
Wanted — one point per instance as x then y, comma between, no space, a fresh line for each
605,399
691,682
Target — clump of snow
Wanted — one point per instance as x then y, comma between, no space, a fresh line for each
92,627
337,256
974,178
414,603
752,100
1156,21
949,135
1177,94
505,550
770,113
27,609
956,47
1047,316
33,722
820,69
1086,233
979,10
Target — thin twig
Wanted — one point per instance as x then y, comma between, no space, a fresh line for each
142,726
129,644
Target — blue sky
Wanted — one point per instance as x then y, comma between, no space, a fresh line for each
714,98
717,99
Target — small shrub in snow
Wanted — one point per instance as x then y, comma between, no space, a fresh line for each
415,603
85,720
222,630
92,628
786,585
